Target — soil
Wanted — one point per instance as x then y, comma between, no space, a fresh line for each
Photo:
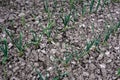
49,56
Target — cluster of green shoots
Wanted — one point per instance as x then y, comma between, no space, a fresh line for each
17,42
4,49
95,42
36,39
65,21
47,30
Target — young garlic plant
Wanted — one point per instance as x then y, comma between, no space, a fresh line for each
17,42
46,8
72,4
66,19
47,30
91,5
4,49
36,38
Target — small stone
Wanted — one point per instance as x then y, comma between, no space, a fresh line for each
38,50
10,45
89,61
97,71
34,78
36,22
107,53
85,74
15,26
92,77
3,35
63,50
108,26
63,45
73,62
14,78
52,58
9,74
22,66
53,42
80,77
41,57
35,55
53,51
50,68
18,1
101,20
29,67
93,47
21,14
108,61
117,48
104,72
22,74
43,51
82,25
28,51
102,65
57,44
1,20
11,17
99,78
10,66
42,45
36,64
100,56
59,36
92,66
47,75
65,78
15,69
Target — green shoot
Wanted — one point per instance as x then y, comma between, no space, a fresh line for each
23,21
68,58
117,26
4,49
94,42
60,76
107,34
91,5
97,41
105,2
18,42
118,72
75,16
93,28
48,29
39,73
110,31
36,39
71,4
83,9
116,1
55,3
89,45
98,4
65,21
4,73
46,7
76,54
